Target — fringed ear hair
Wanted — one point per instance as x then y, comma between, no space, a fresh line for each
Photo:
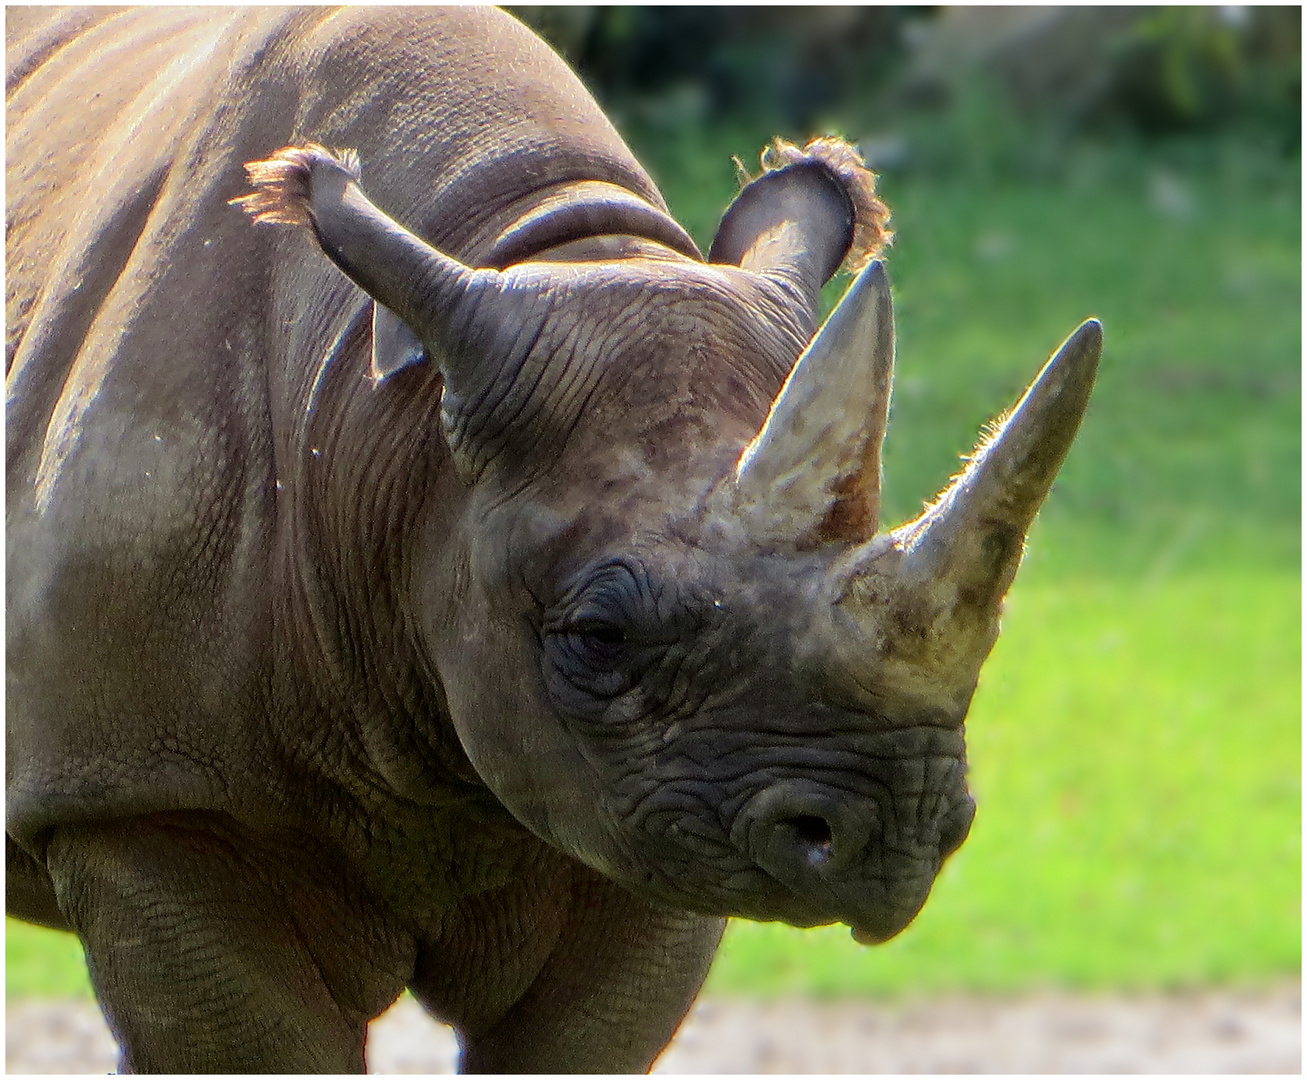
283,184
845,162
809,212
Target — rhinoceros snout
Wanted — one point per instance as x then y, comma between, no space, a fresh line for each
835,856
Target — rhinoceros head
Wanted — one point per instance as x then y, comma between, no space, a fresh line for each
674,641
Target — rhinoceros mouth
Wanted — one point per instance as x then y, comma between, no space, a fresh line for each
877,895
809,850
864,935
875,909
874,912
854,834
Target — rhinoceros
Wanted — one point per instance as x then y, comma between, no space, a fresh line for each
464,586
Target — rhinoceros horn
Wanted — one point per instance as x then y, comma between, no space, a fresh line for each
812,473
912,613
915,612
973,534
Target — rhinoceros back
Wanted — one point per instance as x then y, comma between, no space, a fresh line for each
161,354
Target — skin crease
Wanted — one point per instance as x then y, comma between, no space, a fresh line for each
329,678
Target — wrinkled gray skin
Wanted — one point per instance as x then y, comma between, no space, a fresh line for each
335,670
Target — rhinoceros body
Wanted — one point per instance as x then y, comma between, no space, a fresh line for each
490,619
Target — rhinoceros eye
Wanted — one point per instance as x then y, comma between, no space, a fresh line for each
604,635
589,664
601,644
600,639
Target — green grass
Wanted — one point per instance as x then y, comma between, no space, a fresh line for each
1135,743
1190,452
43,963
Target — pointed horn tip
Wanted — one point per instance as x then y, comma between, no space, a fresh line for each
1075,363
874,273
878,279
1085,341
1091,330
870,286
828,421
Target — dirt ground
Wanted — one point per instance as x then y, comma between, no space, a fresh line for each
1216,1031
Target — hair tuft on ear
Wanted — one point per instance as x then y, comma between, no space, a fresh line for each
845,162
283,184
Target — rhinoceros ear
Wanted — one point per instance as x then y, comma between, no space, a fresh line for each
472,322
394,345
810,210
424,289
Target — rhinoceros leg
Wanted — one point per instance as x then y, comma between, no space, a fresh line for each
610,994
207,958
29,892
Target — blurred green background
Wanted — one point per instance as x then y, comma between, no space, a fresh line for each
1135,742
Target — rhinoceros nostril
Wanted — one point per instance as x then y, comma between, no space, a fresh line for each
802,833
814,836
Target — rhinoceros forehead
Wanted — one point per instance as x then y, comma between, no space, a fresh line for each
626,381
635,483
675,338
